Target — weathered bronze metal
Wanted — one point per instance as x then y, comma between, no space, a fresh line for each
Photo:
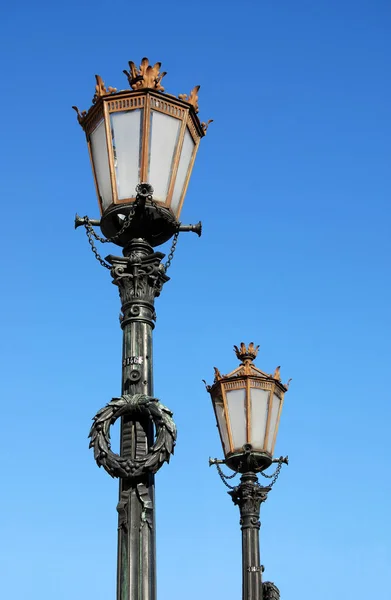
192,98
246,354
206,124
146,76
100,90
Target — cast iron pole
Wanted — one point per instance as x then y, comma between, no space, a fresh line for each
248,496
140,277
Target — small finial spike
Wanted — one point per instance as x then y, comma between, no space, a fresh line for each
205,125
218,375
277,374
192,99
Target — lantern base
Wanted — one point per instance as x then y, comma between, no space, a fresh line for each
243,462
154,224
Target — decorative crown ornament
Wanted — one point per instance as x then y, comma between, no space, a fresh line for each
246,353
146,76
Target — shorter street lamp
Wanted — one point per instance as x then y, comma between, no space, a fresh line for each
248,404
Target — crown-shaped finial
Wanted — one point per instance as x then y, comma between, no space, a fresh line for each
246,353
146,76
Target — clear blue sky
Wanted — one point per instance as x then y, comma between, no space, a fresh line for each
292,184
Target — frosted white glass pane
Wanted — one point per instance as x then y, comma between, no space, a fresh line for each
101,164
126,137
259,401
273,421
163,143
222,426
183,167
237,417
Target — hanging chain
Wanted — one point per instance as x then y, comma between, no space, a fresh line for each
172,251
274,476
174,241
224,477
89,232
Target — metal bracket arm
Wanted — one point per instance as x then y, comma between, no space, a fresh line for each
79,221
283,459
216,461
195,228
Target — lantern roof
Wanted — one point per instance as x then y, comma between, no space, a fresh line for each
246,354
145,77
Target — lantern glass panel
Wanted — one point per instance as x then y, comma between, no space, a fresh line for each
236,401
163,143
100,159
222,425
183,168
259,405
273,422
126,138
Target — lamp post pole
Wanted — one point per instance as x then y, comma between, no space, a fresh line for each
140,277
138,137
249,496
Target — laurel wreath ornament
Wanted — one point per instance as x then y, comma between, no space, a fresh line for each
138,406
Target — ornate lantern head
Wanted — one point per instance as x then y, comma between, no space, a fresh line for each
142,136
247,405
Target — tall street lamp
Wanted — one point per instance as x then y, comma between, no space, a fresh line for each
247,404
142,145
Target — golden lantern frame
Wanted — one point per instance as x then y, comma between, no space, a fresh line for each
147,100
146,93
